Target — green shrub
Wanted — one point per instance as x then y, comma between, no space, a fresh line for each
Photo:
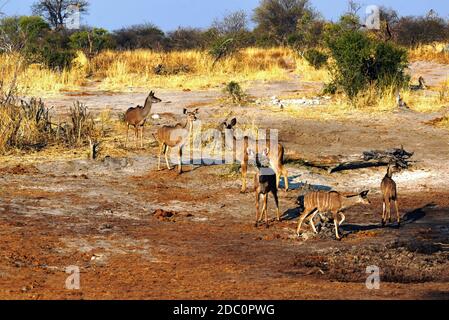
56,52
316,58
359,61
91,42
222,48
235,92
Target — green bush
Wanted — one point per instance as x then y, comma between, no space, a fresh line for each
360,61
55,51
91,42
316,58
222,48
235,92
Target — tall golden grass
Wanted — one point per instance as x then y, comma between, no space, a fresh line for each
136,70
36,79
431,52
188,69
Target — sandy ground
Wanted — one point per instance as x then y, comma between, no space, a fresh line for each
136,233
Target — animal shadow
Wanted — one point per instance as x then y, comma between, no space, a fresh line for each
418,214
408,218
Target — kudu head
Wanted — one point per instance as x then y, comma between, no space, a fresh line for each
422,82
362,198
231,125
262,159
392,169
192,116
152,98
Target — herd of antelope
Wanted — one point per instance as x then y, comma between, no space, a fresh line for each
268,175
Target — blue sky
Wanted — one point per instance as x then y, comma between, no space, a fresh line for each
169,14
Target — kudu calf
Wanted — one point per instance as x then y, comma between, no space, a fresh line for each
137,117
389,195
333,202
276,159
175,137
264,184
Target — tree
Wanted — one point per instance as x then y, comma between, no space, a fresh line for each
279,18
412,31
143,36
21,33
91,41
309,32
186,38
56,12
233,23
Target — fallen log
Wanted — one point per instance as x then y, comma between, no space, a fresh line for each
376,158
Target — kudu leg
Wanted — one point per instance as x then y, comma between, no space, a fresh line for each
257,209
136,136
141,136
265,207
161,150
384,213
244,174
312,223
397,211
301,220
336,229
180,160
276,200
285,174
343,219
166,152
389,210
127,136
337,223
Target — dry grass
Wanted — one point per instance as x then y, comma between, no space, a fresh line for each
431,52
123,71
37,80
137,70
308,73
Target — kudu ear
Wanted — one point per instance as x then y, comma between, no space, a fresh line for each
185,111
364,194
234,122
196,110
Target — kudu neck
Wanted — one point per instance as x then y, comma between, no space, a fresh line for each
189,125
147,107
348,202
389,173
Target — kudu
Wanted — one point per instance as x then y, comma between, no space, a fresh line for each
276,159
389,195
264,184
137,117
333,202
175,137
421,85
